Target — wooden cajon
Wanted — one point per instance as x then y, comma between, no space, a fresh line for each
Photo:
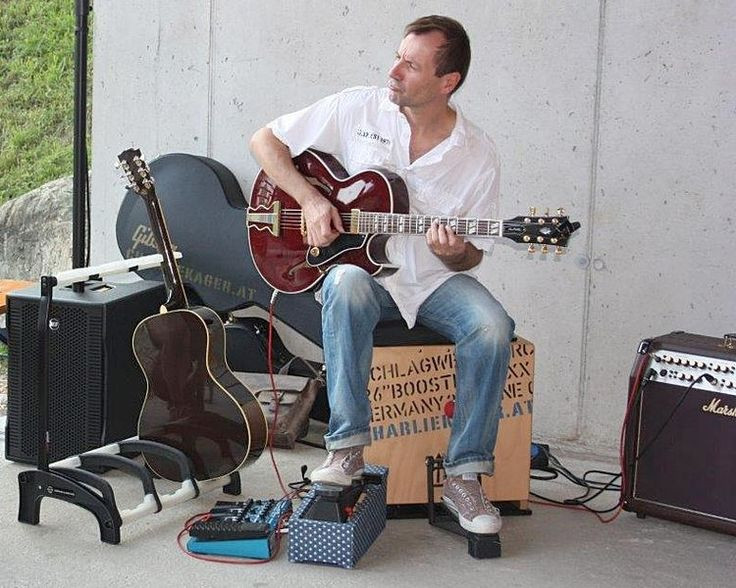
409,389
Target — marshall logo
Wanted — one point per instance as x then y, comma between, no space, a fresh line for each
716,408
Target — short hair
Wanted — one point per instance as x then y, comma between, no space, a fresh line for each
454,55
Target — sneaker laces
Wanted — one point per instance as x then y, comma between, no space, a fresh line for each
470,498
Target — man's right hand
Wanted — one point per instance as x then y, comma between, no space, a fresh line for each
322,220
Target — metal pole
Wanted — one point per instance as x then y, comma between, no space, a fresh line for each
79,187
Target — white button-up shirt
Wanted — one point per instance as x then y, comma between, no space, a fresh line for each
459,177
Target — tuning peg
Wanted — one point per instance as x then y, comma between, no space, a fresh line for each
117,164
544,249
532,211
559,250
561,211
546,211
531,248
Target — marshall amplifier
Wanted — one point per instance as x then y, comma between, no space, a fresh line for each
96,387
680,431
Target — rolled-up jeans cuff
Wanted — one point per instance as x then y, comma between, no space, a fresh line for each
352,440
470,467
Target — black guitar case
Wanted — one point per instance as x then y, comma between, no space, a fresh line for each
205,214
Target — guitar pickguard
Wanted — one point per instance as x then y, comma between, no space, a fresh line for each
335,249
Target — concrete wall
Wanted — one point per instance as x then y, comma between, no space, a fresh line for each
622,112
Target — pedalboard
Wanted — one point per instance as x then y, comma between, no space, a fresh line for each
239,529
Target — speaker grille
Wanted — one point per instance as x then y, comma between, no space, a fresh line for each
75,382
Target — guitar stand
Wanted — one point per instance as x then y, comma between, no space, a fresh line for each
480,546
74,479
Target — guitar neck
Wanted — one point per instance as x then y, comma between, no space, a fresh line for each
177,295
391,223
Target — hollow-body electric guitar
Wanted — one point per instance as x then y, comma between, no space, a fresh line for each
373,205
193,401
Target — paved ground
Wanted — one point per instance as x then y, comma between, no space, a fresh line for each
552,547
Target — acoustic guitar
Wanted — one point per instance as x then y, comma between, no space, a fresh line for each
193,401
373,205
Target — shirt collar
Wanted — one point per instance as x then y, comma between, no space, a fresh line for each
458,134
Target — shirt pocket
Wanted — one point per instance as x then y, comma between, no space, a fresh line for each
364,155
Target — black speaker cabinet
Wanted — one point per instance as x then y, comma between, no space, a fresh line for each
96,388
681,431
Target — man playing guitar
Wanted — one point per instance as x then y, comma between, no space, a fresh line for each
450,167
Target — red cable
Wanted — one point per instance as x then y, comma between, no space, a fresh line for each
287,493
275,398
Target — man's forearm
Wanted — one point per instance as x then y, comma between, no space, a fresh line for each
468,259
275,159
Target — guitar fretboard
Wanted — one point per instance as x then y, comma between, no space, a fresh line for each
418,224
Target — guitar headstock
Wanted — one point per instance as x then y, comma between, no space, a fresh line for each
137,171
541,230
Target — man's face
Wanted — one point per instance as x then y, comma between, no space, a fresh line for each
412,80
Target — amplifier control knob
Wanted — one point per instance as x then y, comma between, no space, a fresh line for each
701,364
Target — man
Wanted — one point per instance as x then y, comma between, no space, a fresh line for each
451,169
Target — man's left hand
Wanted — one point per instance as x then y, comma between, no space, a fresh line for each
451,249
444,243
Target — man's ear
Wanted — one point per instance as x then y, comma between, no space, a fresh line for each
450,82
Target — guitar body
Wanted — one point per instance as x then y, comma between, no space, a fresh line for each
193,401
280,254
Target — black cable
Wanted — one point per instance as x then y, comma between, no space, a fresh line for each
302,486
672,413
591,486
594,488
585,506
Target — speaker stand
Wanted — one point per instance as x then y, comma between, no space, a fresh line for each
74,479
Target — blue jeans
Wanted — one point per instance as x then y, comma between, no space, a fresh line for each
462,310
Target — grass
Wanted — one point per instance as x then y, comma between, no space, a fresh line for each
36,93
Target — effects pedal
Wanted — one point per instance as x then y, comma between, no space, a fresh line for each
239,529
335,525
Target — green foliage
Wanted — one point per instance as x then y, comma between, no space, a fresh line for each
36,93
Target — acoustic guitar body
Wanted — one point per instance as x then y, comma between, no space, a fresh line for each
193,402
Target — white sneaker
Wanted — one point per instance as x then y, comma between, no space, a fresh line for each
475,513
340,468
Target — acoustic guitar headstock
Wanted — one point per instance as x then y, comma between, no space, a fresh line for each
137,171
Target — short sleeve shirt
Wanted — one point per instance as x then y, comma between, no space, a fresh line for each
459,177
